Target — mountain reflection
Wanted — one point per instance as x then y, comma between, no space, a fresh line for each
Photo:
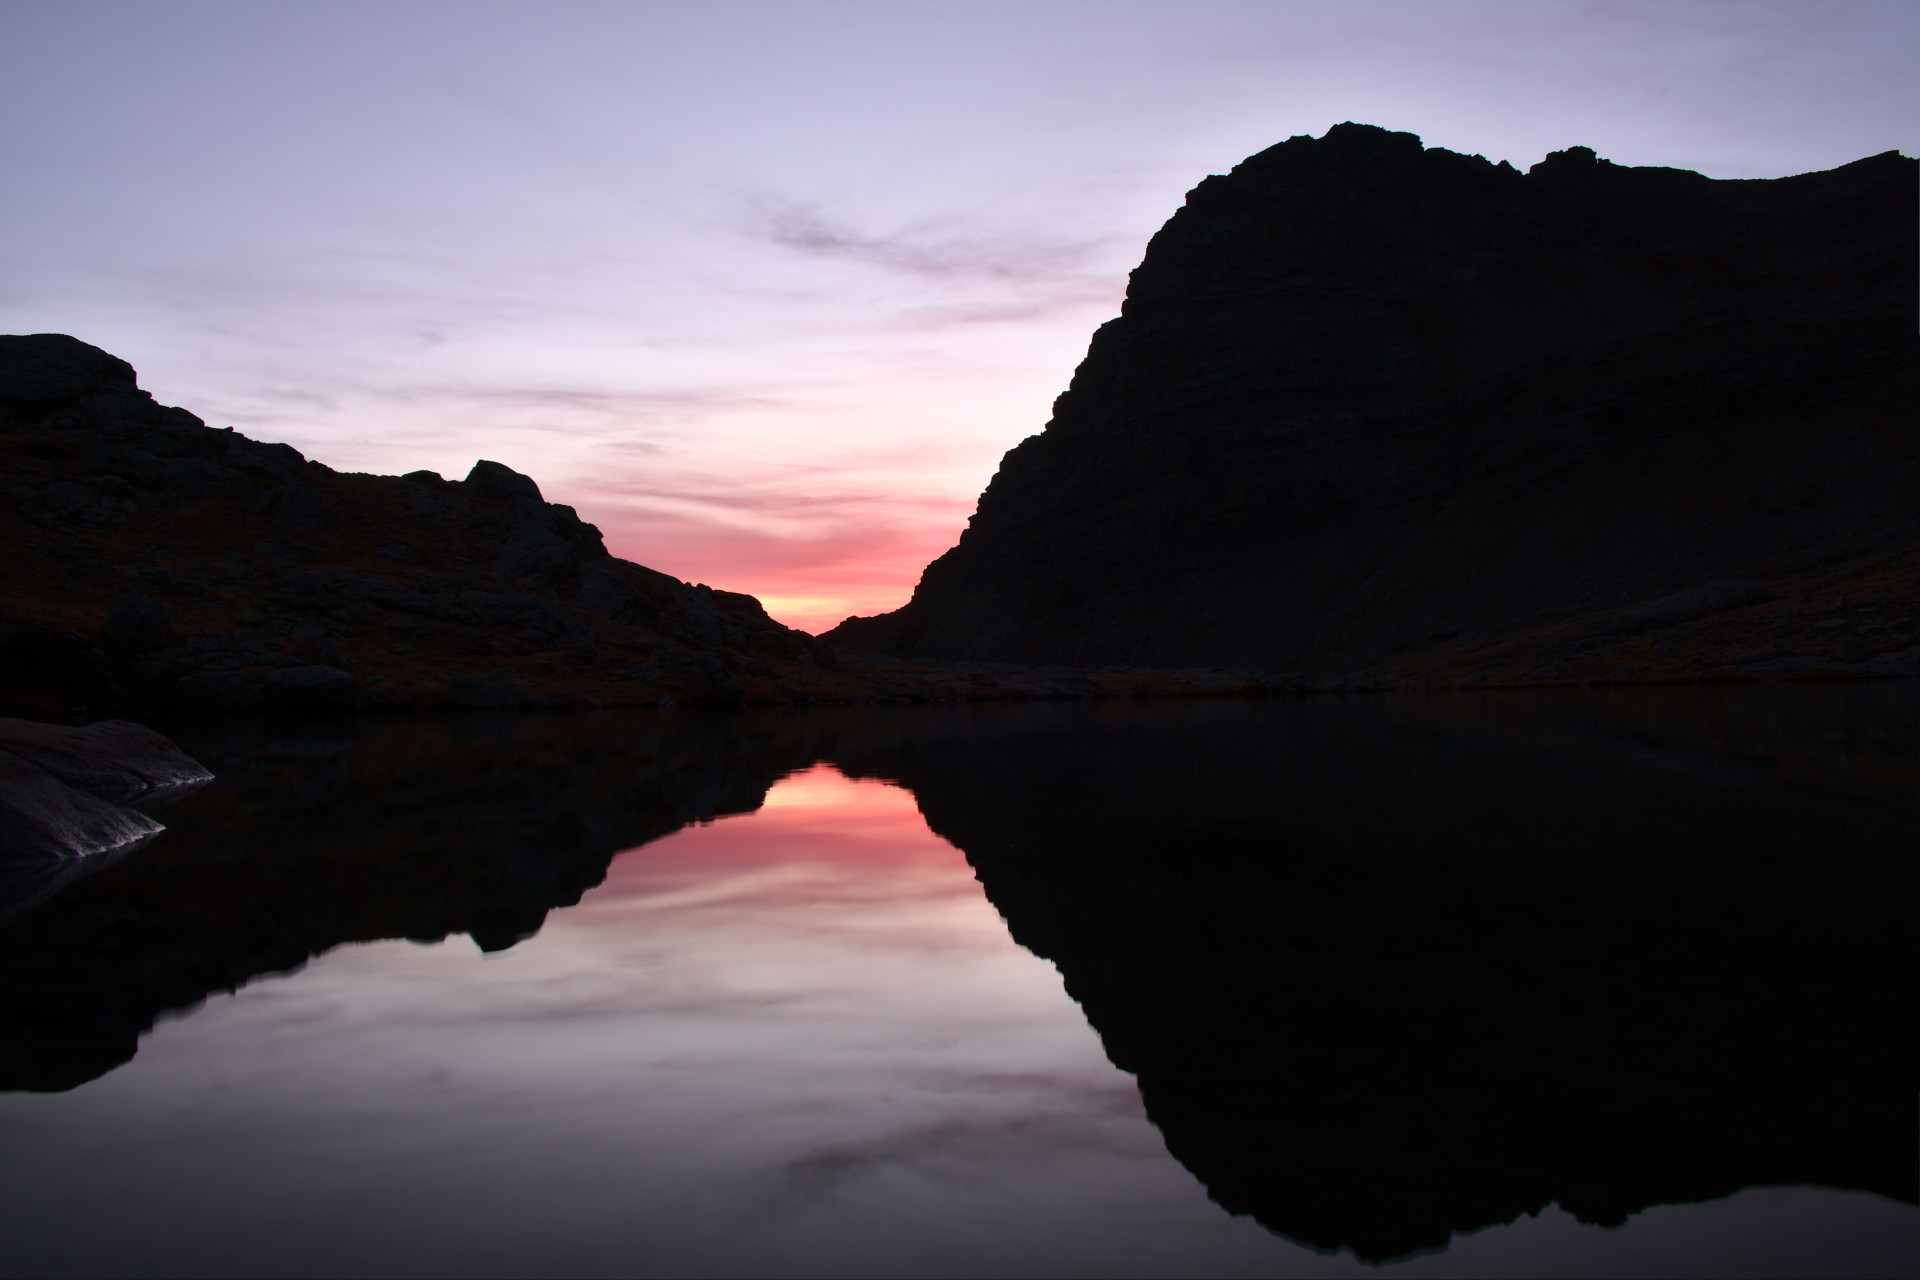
1387,970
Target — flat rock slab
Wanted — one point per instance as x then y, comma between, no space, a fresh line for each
116,761
41,818
71,801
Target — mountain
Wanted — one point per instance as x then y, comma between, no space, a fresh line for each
1376,409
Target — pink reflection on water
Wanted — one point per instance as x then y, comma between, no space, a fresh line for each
818,818
833,891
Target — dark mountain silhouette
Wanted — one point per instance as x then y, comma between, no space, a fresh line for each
168,563
1372,408
1386,970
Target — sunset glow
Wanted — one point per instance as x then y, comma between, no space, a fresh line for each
766,291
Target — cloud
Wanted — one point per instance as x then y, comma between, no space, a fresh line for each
1055,1112
926,248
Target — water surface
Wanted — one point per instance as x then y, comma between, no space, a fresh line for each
1598,983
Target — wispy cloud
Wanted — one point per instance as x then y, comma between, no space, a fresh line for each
945,247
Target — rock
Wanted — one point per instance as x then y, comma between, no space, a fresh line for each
220,691
72,801
249,462
70,496
282,549
1906,662
201,644
293,506
605,594
1798,664
489,694
39,370
133,465
265,461
112,760
538,555
201,478
1687,606
541,618
1853,649
154,675
315,649
42,659
1362,392
431,507
45,820
113,487
139,624
495,480
308,688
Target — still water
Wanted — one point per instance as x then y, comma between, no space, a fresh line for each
1594,983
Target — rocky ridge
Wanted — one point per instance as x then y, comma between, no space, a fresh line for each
1387,414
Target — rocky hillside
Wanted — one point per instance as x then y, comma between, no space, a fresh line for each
1381,411
158,562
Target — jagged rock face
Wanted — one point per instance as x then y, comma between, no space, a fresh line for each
1364,396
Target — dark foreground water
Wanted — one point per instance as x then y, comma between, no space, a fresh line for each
1607,983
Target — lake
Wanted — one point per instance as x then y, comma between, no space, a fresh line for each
1574,982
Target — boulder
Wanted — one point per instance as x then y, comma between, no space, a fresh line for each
496,480
70,496
293,506
606,594
314,687
139,624
488,694
220,691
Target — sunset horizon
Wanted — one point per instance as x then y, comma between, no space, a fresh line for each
771,325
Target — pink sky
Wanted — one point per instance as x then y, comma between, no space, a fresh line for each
766,290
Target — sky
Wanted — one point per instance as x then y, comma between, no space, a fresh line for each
766,290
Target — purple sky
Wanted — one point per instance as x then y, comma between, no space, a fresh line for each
766,290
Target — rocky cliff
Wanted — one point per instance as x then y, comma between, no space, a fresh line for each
1370,406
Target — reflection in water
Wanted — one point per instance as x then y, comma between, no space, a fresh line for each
1388,979
1387,971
